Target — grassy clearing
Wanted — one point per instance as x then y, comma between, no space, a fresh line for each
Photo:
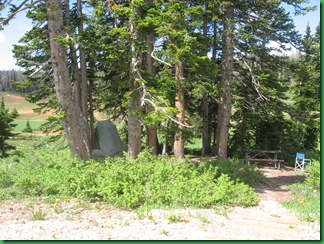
15,101
25,110
29,142
21,124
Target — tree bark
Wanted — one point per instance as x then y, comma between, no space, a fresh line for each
134,104
225,97
178,146
76,80
73,121
206,136
83,65
84,93
151,134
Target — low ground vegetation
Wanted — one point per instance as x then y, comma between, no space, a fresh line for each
46,169
306,201
128,182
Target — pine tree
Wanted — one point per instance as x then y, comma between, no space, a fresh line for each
6,127
260,89
75,118
27,128
306,107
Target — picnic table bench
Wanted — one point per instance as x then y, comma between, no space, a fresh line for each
257,155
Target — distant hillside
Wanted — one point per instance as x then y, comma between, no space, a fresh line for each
25,110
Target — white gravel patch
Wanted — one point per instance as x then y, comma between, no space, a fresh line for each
267,221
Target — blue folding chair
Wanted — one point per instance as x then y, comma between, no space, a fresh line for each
301,161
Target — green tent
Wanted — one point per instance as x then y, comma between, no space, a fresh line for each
107,140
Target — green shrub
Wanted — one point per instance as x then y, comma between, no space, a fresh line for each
5,179
314,177
239,171
306,200
128,182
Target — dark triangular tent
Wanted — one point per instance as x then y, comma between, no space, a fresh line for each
107,141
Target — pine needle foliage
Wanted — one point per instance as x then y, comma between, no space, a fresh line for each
6,127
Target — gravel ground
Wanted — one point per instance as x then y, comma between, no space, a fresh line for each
75,220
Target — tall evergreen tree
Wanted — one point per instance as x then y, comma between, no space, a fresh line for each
259,88
6,127
306,88
75,120
226,81
118,43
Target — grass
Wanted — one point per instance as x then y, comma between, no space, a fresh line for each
306,201
25,110
38,215
174,218
21,124
24,141
222,211
306,204
202,218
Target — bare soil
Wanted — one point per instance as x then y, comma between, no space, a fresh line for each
74,220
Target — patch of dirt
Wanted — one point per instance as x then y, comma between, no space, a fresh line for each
74,220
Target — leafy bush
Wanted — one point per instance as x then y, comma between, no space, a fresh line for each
128,182
239,171
314,177
33,173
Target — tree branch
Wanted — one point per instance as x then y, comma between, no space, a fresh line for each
20,8
41,65
160,60
255,83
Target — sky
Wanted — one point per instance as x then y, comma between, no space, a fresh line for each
18,26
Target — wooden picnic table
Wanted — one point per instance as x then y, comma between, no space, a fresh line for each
259,155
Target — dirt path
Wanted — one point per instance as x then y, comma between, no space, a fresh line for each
79,221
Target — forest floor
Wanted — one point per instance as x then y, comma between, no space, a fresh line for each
76,220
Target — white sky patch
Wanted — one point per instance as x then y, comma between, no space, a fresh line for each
293,52
25,27
2,37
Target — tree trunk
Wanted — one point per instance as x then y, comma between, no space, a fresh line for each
134,125
79,75
225,97
73,121
83,65
134,104
151,134
74,59
178,146
84,93
206,137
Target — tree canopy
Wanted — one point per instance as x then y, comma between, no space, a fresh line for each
174,70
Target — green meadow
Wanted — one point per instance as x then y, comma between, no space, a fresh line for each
26,112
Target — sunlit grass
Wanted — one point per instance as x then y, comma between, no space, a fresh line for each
306,203
25,111
21,124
